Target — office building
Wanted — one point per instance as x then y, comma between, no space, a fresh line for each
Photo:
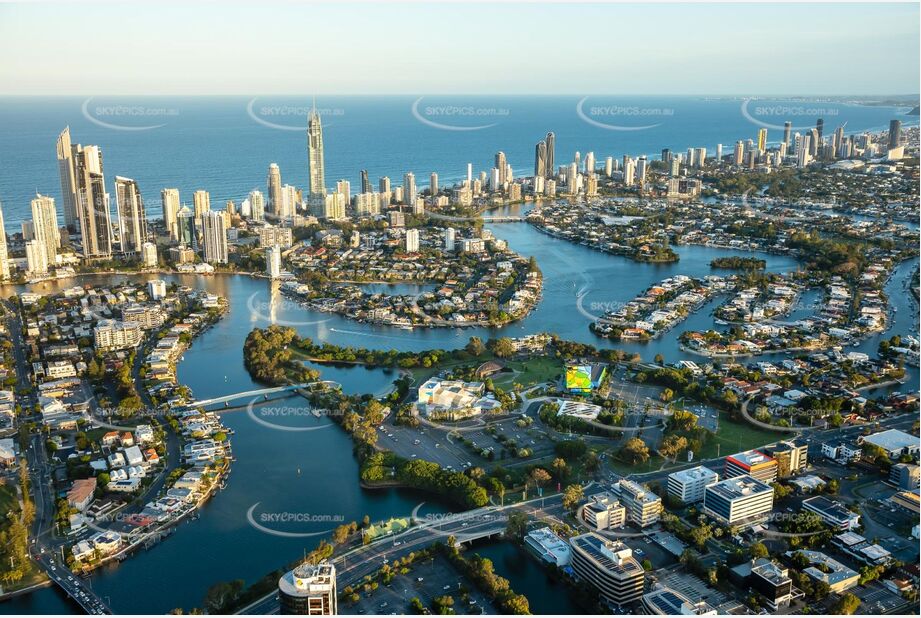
688,485
752,463
214,238
273,261
894,441
308,590
273,189
769,579
412,241
317,186
169,202
667,602
643,506
791,456
741,501
132,221
828,570
608,566
45,227
546,545
905,476
832,512
603,511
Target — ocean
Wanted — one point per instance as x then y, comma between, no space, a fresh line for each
225,144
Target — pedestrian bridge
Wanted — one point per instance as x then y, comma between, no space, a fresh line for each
263,392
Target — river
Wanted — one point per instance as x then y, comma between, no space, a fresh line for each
314,472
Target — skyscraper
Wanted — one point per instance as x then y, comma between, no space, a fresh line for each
4,264
551,145
169,201
502,166
273,261
762,140
256,205
365,182
895,133
273,188
36,259
214,237
132,221
383,185
819,128
315,156
433,184
45,227
409,188
68,179
787,128
201,201
540,160
92,202
412,241
185,227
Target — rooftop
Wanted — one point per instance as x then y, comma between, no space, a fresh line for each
739,487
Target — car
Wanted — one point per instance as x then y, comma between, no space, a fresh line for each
420,579
417,441
446,587
383,605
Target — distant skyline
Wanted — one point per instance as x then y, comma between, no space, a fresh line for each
413,48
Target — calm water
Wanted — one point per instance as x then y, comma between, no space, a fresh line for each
214,144
526,575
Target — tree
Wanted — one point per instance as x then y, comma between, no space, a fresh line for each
634,451
758,550
846,605
517,525
572,496
475,346
504,348
647,565
559,468
540,476
672,446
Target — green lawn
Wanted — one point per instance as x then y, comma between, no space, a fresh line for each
529,372
736,436
8,498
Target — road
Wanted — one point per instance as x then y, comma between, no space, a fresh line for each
354,565
44,548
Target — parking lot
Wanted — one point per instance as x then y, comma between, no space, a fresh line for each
425,581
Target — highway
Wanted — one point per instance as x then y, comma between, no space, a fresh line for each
354,565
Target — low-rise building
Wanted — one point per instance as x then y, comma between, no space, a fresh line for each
741,501
603,511
609,566
832,512
752,463
547,546
643,506
828,570
688,485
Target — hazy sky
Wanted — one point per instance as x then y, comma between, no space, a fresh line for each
416,48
